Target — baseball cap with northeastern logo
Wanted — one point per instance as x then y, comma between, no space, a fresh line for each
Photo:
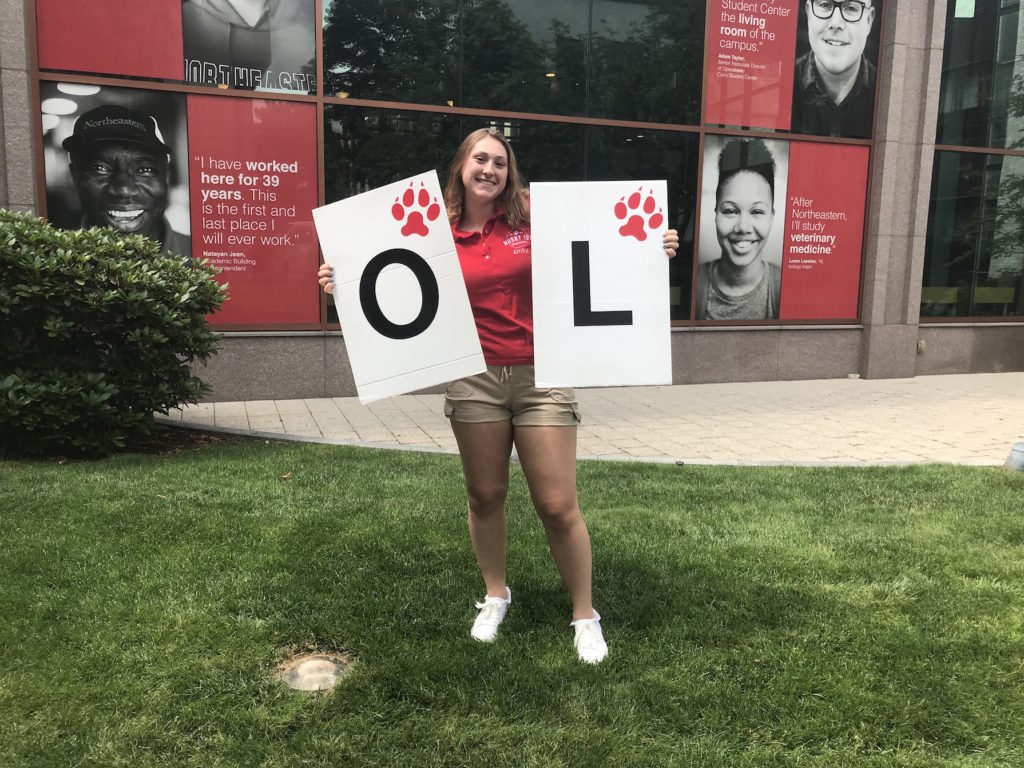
111,122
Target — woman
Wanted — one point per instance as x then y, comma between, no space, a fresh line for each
489,212
740,284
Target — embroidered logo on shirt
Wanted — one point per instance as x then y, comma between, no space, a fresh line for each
517,240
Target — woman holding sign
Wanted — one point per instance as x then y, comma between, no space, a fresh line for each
491,412
741,284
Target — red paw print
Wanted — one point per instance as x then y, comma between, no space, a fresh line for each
638,219
417,209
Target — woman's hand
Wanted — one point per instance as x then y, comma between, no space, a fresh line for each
325,276
671,242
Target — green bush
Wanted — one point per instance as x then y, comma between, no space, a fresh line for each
97,331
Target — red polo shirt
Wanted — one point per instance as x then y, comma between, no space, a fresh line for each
496,267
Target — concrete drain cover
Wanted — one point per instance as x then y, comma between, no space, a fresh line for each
313,672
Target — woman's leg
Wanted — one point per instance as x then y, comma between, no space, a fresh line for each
548,458
485,449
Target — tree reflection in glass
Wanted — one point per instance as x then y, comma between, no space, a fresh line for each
392,51
646,61
521,55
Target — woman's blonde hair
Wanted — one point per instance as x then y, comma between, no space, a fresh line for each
512,200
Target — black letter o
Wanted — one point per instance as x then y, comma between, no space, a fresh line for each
428,287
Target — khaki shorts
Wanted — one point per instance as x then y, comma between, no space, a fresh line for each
508,392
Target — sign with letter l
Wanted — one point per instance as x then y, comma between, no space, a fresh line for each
600,283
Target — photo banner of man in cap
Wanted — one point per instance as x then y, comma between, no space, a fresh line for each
119,164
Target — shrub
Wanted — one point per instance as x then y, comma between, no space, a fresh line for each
97,331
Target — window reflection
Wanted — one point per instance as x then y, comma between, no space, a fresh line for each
982,97
393,51
368,148
646,60
627,153
524,56
974,257
521,55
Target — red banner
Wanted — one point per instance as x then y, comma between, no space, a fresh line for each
750,63
252,180
824,231
141,38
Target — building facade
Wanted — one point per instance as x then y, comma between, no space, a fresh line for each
876,146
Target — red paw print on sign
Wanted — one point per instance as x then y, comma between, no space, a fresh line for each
638,213
416,208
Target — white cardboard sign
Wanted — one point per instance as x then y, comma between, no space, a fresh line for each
600,284
399,290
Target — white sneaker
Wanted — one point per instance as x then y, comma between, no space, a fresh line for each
492,613
589,640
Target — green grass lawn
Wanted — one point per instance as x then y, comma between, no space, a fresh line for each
755,616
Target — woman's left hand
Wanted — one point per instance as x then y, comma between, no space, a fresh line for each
671,242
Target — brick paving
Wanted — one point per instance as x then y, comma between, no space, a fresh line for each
972,419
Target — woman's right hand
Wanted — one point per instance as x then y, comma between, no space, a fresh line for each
325,276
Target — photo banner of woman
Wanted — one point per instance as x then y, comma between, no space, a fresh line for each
743,196
401,298
600,284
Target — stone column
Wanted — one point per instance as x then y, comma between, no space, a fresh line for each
17,157
910,73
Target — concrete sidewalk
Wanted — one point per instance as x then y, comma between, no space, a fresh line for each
964,419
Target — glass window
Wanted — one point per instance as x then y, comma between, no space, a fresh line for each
394,51
527,56
982,97
974,257
368,148
628,153
646,60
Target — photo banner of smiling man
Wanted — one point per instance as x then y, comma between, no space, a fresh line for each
399,290
600,284
807,67
117,157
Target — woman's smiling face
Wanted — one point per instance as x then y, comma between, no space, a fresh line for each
485,171
743,217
